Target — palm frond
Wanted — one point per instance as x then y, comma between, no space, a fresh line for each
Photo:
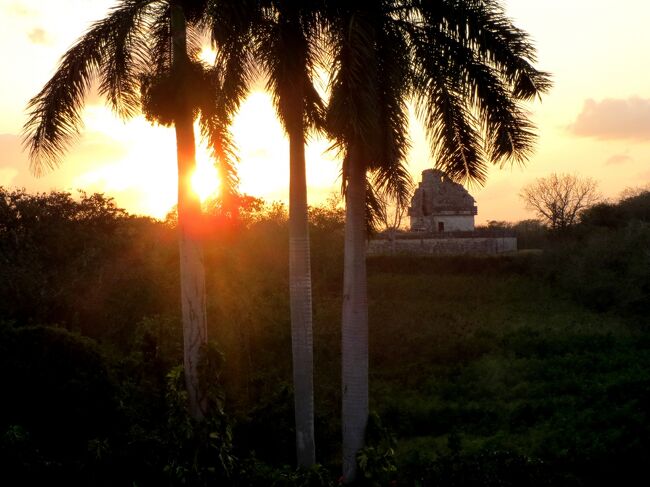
370,84
353,113
195,40
286,50
54,115
474,65
394,81
507,131
237,70
394,181
314,107
215,118
230,25
216,132
483,26
126,56
160,53
452,131
374,208
229,20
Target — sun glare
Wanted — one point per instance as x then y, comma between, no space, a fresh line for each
207,55
205,180
143,177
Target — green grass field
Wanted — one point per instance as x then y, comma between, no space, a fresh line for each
468,356
482,352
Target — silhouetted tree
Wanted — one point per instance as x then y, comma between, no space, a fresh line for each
468,68
143,59
286,48
559,198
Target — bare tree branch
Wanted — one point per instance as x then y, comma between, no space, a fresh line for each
559,198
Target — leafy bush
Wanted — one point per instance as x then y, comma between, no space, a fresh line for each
376,460
634,208
483,469
606,270
254,473
59,400
199,452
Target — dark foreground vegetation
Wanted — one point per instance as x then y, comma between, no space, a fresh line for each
531,369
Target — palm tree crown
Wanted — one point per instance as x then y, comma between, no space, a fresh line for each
128,56
286,48
143,56
467,68
463,63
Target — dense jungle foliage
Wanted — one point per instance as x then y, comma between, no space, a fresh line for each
529,369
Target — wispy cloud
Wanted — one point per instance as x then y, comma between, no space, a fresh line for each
18,9
38,35
643,179
614,119
11,152
89,153
7,175
618,159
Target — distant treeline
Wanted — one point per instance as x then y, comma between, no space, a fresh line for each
633,208
604,260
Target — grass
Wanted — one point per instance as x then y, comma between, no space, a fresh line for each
467,356
485,354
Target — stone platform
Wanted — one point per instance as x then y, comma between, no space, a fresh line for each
448,243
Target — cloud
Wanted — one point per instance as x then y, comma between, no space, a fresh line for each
643,178
7,175
92,151
14,164
19,10
38,35
614,119
11,152
618,159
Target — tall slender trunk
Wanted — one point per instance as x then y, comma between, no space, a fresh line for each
193,306
300,298
355,317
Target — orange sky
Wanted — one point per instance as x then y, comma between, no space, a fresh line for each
595,122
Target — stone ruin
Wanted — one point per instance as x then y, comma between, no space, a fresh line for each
441,205
442,223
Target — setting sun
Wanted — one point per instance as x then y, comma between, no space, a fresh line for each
205,180
135,162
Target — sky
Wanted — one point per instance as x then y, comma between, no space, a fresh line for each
595,122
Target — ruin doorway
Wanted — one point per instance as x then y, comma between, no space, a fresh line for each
441,226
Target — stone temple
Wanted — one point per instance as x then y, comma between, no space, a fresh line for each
442,223
441,205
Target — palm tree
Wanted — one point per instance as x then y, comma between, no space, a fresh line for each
142,57
467,68
286,49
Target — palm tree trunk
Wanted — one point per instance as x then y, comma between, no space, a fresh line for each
300,300
355,317
193,298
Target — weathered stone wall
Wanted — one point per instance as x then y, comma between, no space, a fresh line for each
452,223
438,199
443,246
455,223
